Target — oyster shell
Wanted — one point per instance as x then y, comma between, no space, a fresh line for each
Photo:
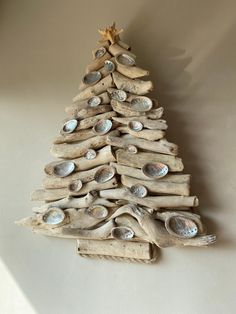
118,94
100,52
125,59
63,169
53,216
109,66
102,126
141,103
122,233
90,154
75,186
135,126
69,126
104,174
182,227
155,170
138,190
97,211
92,77
94,101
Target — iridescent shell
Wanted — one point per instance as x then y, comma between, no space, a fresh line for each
125,59
141,103
100,52
69,126
118,95
139,190
97,211
181,227
75,186
53,216
63,169
155,170
135,126
92,78
90,154
109,66
94,101
102,126
122,233
132,149
104,174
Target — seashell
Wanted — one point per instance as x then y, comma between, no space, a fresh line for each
135,126
64,169
125,59
119,95
94,101
90,154
138,190
155,170
132,149
53,216
109,66
141,103
92,77
182,227
104,174
122,233
100,52
69,126
97,211
75,186
102,126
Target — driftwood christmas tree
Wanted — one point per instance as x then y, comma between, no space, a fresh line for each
117,186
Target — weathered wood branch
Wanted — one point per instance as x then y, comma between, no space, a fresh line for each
91,112
147,123
141,158
98,63
151,135
131,71
90,122
116,49
80,135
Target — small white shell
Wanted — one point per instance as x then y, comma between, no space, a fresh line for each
119,95
92,77
132,149
155,170
64,169
104,174
141,103
135,126
75,186
90,154
94,101
125,59
102,126
53,216
181,227
109,66
100,52
69,126
138,190
97,211
122,233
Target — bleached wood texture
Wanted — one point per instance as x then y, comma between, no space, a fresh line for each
151,135
116,49
98,63
90,122
147,123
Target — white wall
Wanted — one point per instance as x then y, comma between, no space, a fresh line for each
190,48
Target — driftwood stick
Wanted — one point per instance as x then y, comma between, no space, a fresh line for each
158,187
90,122
90,112
113,248
75,150
81,135
57,194
138,174
116,49
96,89
131,71
98,63
151,135
147,123
155,202
136,86
141,158
161,146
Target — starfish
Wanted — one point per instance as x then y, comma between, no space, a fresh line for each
110,33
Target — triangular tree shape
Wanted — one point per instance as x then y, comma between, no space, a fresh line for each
118,187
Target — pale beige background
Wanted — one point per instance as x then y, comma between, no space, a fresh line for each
190,48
